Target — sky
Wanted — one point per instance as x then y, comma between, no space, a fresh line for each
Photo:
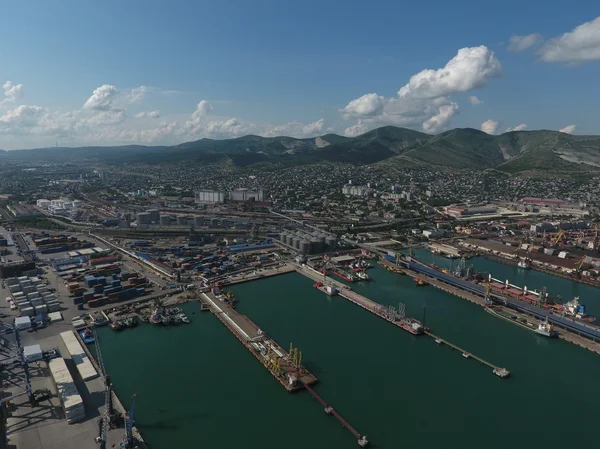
77,73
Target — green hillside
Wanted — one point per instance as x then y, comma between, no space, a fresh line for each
462,148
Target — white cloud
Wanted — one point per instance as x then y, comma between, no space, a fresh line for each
582,44
296,129
471,68
520,127
105,118
489,126
568,129
438,121
102,98
425,100
368,105
12,92
520,43
356,130
21,116
137,94
475,100
149,114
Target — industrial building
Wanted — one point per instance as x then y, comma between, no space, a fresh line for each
314,242
246,195
144,219
209,197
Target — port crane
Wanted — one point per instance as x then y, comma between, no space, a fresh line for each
558,238
105,419
129,441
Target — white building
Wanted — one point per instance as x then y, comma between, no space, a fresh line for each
209,197
353,190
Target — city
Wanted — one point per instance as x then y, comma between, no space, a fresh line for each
198,193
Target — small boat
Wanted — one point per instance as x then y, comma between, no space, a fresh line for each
87,336
363,276
420,282
438,341
466,355
524,264
117,326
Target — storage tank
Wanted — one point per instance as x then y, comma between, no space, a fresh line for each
323,238
289,240
165,220
154,215
214,222
296,242
182,220
282,236
330,242
315,246
304,246
143,218
199,220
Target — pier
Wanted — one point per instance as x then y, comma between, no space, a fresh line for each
285,366
396,319
361,439
498,371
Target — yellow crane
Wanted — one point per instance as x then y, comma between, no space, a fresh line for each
558,237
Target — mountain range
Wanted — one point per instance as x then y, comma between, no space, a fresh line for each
462,148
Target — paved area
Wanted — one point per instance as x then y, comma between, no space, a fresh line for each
43,426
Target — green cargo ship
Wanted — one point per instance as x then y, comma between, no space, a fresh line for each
544,328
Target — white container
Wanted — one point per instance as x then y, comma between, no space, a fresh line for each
41,309
28,311
22,322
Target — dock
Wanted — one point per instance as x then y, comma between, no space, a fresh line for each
361,439
285,366
498,371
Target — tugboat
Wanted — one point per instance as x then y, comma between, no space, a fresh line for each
87,336
420,282
156,318
524,264
116,326
363,276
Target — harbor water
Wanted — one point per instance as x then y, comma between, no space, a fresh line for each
197,385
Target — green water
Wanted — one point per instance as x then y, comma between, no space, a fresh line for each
197,386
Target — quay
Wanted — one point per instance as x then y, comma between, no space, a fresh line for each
257,273
578,333
285,366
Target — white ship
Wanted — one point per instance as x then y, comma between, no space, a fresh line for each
524,264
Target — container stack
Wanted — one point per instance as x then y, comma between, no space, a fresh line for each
31,296
67,391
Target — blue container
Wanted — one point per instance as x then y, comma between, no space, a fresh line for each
78,300
140,291
80,306
101,280
90,281
98,288
114,276
116,282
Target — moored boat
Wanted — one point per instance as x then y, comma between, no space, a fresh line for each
543,328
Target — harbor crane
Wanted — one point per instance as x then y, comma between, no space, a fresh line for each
105,419
129,441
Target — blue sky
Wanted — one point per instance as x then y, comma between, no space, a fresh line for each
150,72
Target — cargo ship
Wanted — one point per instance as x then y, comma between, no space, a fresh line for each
572,309
349,277
544,328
